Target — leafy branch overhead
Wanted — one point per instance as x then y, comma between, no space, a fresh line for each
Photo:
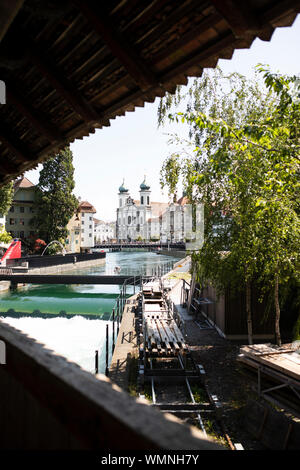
245,169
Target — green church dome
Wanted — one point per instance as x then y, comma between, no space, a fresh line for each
122,189
144,186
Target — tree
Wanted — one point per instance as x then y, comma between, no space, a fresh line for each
6,197
246,162
55,202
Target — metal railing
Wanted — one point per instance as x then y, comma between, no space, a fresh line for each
119,305
159,270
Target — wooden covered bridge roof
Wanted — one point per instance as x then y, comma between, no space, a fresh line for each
72,66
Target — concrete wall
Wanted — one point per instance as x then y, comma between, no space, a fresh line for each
48,402
67,267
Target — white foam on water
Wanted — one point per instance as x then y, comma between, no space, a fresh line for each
75,338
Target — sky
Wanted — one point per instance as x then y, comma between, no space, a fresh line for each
133,146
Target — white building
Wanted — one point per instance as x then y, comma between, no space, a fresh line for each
133,215
86,215
104,231
144,219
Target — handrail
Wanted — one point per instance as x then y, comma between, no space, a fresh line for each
119,304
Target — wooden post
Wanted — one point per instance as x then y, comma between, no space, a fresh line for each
113,335
106,368
96,362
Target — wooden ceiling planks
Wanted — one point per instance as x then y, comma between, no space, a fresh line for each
71,67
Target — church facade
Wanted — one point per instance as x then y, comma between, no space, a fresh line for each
144,219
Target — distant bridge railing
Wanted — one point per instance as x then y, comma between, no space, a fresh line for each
173,245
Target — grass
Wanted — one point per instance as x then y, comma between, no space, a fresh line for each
132,364
185,276
199,394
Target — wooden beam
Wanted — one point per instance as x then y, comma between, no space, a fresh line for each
37,119
8,11
7,167
118,45
62,84
239,17
14,145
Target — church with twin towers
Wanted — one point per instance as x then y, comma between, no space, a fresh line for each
145,220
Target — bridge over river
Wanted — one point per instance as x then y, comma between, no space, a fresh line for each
71,279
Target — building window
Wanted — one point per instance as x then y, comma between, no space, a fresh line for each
12,209
82,222
90,235
90,226
91,218
148,200
142,199
22,222
21,234
82,231
22,209
12,221
129,220
31,210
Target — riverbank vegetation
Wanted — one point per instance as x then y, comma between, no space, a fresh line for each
6,197
242,162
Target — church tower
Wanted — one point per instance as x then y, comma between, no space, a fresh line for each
120,227
145,193
123,195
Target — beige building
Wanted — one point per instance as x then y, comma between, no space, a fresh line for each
19,218
81,228
73,241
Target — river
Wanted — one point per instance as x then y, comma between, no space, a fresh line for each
71,319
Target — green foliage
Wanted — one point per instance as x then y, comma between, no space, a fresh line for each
245,169
6,197
4,236
55,202
296,330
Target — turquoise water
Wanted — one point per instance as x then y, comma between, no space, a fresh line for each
71,319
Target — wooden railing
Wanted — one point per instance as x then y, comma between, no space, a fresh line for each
48,402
